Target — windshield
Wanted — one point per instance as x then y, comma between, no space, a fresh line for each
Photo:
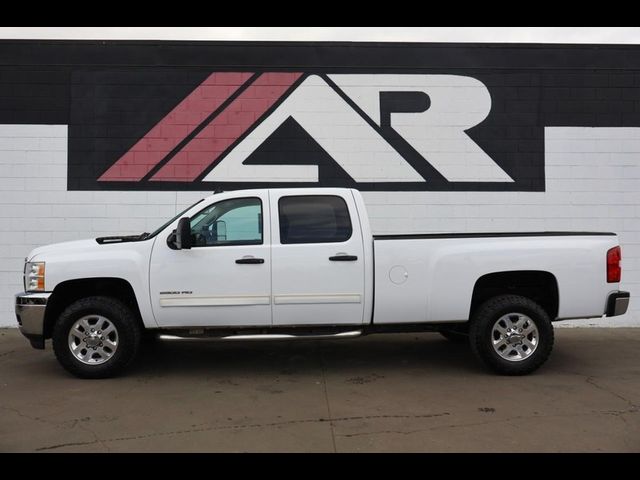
156,232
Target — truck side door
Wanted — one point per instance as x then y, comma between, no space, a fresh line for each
317,258
225,278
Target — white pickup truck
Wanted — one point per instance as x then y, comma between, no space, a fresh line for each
302,263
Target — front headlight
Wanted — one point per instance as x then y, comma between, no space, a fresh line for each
34,277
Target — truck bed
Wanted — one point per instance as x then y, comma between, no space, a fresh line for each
431,277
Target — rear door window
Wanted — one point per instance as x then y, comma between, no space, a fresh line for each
314,219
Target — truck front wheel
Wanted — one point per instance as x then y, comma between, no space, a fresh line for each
96,337
511,334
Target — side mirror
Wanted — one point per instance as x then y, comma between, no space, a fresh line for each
183,234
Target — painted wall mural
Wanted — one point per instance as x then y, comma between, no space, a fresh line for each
345,115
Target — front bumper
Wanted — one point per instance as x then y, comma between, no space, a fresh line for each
617,304
30,308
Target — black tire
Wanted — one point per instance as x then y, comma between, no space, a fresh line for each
128,330
454,336
480,334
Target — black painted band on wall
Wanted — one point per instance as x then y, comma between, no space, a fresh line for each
113,94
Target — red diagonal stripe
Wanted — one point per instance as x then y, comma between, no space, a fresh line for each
174,127
244,111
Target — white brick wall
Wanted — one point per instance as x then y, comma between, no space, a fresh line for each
592,183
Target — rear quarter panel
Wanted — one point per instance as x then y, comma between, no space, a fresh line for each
441,273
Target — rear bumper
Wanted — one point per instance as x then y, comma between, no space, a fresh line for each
617,304
30,308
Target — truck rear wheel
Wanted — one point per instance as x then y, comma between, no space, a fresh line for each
511,334
96,337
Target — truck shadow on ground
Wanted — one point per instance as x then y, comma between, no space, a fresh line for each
385,354
380,353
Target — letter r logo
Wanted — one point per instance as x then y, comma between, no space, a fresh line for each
437,133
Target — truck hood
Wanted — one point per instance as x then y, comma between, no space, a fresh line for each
55,248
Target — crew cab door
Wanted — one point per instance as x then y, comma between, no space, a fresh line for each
225,278
317,258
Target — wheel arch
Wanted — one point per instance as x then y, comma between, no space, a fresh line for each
538,285
69,291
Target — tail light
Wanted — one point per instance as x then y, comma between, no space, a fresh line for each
614,270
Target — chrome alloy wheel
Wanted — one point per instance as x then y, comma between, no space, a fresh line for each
514,337
93,339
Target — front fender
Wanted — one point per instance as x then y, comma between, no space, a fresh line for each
128,261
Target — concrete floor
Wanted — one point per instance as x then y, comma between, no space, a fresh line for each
401,393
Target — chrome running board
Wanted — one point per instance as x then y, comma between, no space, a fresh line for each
265,336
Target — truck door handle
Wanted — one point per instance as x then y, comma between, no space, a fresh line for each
343,258
250,260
